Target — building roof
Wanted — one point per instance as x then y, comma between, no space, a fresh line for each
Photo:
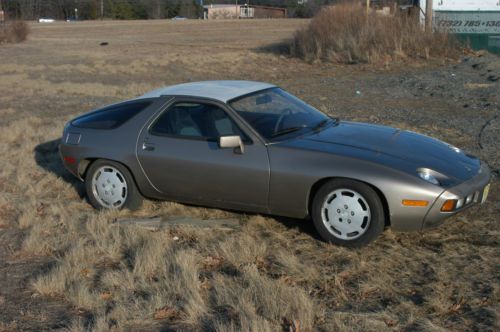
219,90
239,5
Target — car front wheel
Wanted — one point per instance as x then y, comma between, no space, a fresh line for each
348,213
110,185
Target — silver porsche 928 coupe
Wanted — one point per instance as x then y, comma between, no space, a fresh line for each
254,147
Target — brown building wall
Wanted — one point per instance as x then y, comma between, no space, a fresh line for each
260,12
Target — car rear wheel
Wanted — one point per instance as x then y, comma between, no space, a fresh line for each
348,213
110,185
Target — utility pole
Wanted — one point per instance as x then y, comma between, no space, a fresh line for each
2,14
428,16
367,7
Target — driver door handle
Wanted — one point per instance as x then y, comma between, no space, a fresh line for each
148,146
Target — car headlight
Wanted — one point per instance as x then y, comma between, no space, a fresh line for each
426,174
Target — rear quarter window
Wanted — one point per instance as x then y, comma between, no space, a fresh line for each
112,116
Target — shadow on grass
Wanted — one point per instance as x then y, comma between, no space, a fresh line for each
305,226
278,48
47,157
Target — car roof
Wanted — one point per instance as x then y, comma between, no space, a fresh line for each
219,90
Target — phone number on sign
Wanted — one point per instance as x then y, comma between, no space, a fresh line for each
461,23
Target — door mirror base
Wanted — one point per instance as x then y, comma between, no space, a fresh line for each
234,142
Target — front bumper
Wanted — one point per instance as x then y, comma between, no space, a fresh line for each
473,189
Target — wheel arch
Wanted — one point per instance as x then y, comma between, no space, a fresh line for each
83,167
319,183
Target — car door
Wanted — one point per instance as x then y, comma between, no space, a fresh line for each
179,153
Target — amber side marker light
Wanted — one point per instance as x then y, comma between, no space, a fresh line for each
412,202
449,205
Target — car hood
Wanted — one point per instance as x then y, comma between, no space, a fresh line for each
411,148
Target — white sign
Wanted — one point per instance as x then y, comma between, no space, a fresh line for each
485,22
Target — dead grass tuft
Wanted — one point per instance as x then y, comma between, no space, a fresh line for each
345,34
149,278
14,32
254,294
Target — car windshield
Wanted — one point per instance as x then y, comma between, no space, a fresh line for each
276,114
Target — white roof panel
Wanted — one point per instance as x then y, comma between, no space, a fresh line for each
464,5
219,90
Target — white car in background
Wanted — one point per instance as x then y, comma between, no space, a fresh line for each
46,20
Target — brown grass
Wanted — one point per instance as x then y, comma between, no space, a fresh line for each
14,32
271,274
149,279
345,34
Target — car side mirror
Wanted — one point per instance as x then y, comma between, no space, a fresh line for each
234,142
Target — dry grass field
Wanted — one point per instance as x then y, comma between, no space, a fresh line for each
65,266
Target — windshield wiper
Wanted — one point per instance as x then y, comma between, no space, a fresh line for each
286,131
323,123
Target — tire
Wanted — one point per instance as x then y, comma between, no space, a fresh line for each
348,213
110,185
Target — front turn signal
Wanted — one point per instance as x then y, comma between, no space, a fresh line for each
412,202
449,205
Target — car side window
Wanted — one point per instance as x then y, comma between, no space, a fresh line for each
112,116
195,120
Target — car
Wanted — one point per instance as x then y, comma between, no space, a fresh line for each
178,18
253,147
46,20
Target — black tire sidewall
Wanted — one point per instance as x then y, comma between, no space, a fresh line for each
377,222
134,198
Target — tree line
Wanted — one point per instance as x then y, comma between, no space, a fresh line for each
139,9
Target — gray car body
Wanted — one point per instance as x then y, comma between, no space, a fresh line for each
278,178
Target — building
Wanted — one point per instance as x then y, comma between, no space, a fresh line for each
268,12
214,12
474,21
